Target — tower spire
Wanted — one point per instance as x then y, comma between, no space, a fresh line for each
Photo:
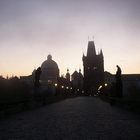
91,52
101,52
67,70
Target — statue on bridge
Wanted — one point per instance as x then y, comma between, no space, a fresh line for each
119,85
37,84
37,77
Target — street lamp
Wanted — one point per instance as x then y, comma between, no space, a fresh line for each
55,84
100,87
105,84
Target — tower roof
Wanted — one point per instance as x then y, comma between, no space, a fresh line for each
91,52
75,73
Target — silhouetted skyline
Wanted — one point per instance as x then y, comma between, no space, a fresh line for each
31,29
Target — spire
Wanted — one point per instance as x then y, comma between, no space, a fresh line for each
68,75
83,55
91,49
7,77
101,52
67,70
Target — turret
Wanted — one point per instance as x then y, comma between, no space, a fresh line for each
101,53
79,70
68,75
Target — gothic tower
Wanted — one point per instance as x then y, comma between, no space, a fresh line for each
93,65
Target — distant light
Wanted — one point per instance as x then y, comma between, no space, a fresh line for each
82,91
71,88
77,89
105,84
55,84
62,86
100,87
67,87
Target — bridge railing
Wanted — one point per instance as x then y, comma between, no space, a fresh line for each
131,104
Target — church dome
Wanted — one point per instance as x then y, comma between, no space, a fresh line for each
50,70
49,63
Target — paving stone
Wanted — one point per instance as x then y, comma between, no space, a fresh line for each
81,118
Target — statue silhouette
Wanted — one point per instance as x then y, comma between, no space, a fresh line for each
37,77
119,86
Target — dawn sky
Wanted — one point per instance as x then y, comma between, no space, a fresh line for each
31,29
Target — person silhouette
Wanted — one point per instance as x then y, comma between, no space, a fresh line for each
119,86
37,77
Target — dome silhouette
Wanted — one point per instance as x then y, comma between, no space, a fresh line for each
49,63
50,70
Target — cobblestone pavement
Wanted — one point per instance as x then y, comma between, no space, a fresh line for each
81,118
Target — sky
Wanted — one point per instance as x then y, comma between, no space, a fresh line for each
32,29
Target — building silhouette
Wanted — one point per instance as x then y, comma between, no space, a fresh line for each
93,65
93,76
90,81
77,81
50,71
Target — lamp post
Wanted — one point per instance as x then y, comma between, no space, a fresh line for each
56,92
